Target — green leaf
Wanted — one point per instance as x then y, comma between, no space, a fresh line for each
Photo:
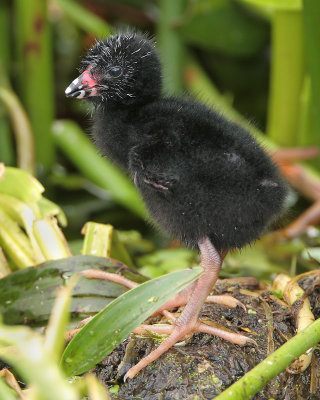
50,239
231,30
49,208
85,19
6,392
77,146
276,4
15,242
27,296
54,337
113,324
35,76
20,184
24,349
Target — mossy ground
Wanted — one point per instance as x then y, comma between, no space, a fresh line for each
207,365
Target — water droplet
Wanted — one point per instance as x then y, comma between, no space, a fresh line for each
153,299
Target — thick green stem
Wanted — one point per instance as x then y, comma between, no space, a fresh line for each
202,87
171,46
36,73
21,129
287,71
6,144
306,129
311,12
260,375
76,145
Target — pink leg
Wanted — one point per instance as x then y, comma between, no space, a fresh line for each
183,297
188,322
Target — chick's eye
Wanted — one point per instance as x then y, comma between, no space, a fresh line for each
115,72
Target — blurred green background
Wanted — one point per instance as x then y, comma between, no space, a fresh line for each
256,61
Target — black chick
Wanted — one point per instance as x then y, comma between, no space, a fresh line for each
204,179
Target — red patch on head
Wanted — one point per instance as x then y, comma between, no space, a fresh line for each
87,78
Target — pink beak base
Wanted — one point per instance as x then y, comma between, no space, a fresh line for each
83,86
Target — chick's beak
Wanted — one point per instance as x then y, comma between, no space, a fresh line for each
83,86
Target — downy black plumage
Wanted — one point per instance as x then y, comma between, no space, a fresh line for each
199,174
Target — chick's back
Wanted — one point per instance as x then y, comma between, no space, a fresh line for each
201,175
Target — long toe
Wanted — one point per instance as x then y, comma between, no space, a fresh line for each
225,300
177,333
108,276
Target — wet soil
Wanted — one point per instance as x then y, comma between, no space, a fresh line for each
206,365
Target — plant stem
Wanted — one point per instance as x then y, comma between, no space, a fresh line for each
97,239
170,43
21,129
199,83
36,74
6,144
311,12
270,367
287,70
4,265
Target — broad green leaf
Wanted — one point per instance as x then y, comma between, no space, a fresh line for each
113,324
27,296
